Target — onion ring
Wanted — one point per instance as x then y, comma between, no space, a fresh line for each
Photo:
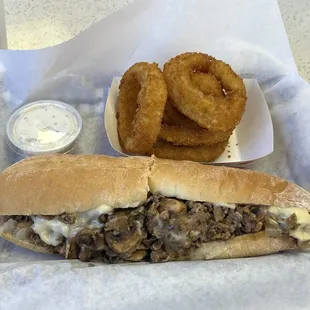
163,149
141,102
209,111
208,84
180,130
172,116
181,135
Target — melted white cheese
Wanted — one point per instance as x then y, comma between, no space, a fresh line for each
302,232
52,231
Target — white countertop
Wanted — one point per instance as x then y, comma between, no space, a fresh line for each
36,23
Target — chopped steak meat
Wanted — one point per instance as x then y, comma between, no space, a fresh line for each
164,229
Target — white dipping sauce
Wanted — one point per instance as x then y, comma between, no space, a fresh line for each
43,127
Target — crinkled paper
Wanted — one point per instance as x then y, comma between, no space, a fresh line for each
247,34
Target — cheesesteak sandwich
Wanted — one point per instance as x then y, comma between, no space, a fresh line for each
149,209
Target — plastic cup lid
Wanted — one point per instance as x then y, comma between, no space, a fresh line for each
43,127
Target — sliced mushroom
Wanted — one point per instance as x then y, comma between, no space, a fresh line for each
124,243
272,228
292,222
137,256
9,225
23,233
85,253
124,231
117,223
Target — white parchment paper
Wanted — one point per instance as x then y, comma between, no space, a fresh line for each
247,34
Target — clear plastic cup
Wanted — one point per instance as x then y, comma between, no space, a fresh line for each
43,127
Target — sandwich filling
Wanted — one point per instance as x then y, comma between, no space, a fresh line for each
162,229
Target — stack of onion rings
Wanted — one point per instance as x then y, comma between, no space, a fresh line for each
188,112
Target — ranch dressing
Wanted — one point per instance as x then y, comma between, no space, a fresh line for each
43,127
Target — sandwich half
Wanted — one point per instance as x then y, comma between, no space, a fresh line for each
95,207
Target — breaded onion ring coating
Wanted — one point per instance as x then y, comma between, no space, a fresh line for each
180,130
181,135
141,103
215,113
172,116
208,84
163,149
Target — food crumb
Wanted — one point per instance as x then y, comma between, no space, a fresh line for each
91,265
